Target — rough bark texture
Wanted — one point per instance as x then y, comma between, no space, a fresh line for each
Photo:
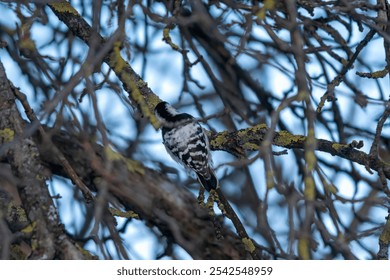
44,232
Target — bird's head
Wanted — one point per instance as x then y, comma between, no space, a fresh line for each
168,116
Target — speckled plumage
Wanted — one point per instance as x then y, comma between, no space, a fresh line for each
186,142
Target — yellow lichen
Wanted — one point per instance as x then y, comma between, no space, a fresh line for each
147,108
112,155
135,166
86,253
331,188
168,40
219,140
250,146
309,191
244,132
30,228
285,138
34,244
118,62
270,179
27,43
18,253
210,206
385,235
303,95
18,211
153,100
339,147
63,7
249,246
311,159
343,61
268,5
145,103
141,83
126,214
310,139
132,165
304,248
379,74
39,177
7,135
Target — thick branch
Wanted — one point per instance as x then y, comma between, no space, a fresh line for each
139,92
250,139
155,199
48,240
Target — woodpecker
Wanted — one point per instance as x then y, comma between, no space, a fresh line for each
187,143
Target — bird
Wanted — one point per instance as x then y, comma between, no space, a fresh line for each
187,143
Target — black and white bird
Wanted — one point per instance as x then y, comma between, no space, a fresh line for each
187,143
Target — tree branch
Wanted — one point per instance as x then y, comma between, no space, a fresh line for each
155,199
250,139
139,92
47,236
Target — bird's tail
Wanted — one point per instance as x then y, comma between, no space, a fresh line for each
209,181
